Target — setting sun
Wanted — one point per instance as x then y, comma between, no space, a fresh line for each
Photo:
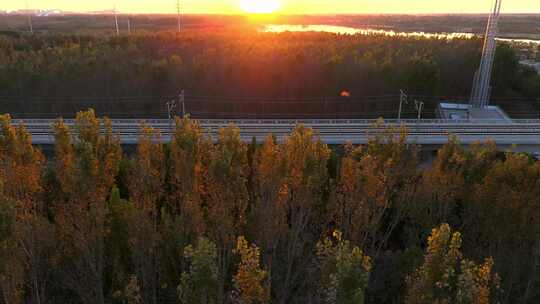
260,6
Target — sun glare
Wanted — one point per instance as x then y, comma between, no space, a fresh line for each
260,6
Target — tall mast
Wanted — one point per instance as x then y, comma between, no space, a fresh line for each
116,20
29,16
481,91
178,14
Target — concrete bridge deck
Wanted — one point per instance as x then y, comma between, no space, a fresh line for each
525,134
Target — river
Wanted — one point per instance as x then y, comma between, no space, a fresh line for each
279,28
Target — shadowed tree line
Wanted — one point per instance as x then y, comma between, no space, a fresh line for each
202,221
52,74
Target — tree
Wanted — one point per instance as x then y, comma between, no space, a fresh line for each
446,277
85,172
303,198
119,256
199,285
147,189
250,280
502,219
344,271
446,186
21,170
269,210
225,197
187,150
422,75
375,185
11,269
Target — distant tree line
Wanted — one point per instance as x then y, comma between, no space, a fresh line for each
49,73
224,221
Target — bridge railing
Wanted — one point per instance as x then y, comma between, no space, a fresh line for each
405,122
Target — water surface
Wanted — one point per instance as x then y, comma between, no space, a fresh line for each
344,30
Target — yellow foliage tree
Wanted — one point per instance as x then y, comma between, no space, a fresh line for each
147,188
225,196
376,182
250,281
446,277
85,168
21,190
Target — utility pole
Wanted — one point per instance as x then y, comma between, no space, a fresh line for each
129,26
182,99
116,20
402,99
419,106
179,15
171,105
29,16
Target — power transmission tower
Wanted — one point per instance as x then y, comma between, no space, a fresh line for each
481,91
116,20
179,14
29,16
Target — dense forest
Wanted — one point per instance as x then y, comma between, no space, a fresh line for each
198,220
222,71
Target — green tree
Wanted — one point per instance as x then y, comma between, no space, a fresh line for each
422,75
344,271
199,285
119,265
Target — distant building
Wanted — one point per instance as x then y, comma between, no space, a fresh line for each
54,12
532,63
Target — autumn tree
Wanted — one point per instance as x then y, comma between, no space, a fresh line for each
251,285
269,209
295,195
21,189
225,197
147,188
447,185
502,218
11,264
376,182
200,283
344,271
85,169
445,276
183,218
187,148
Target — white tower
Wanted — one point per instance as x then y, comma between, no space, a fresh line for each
481,91
179,14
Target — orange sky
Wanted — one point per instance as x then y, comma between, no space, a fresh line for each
287,6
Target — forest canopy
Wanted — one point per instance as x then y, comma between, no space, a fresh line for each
64,69
224,221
